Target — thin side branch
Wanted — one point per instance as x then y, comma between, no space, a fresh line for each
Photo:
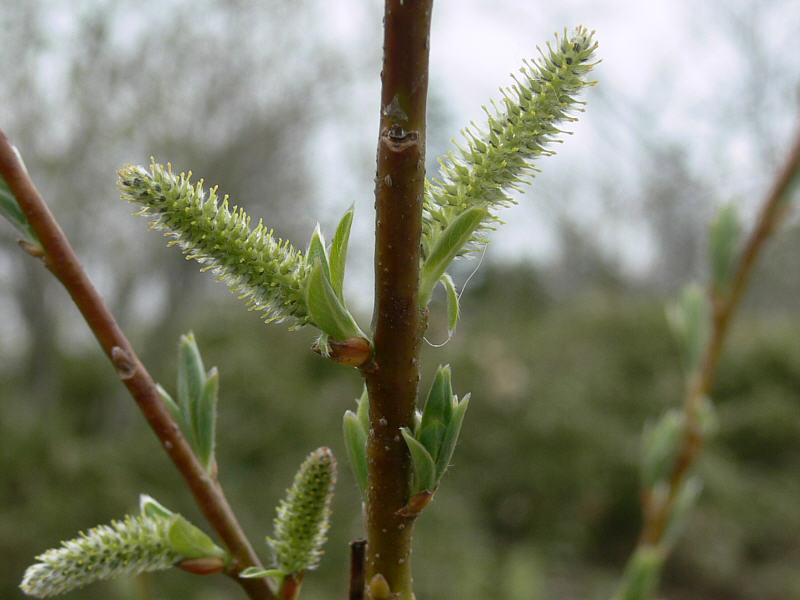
358,551
773,209
393,377
61,260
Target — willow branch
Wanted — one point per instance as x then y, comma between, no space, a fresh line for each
724,307
63,263
397,321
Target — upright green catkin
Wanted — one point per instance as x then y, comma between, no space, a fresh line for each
499,157
123,548
303,517
268,273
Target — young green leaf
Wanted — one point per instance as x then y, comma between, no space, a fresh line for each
724,236
641,576
191,378
189,541
453,308
424,467
317,252
689,318
355,443
451,436
151,508
363,409
437,412
325,309
259,573
10,210
684,503
171,405
448,245
338,254
660,444
206,420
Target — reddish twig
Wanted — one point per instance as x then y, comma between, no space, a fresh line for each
61,260
724,307
393,376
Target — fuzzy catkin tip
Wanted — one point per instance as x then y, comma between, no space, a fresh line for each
123,548
498,157
266,272
303,517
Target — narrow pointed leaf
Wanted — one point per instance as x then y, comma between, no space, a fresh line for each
451,437
189,541
338,254
153,509
259,573
355,442
424,467
641,575
689,318
206,420
10,210
453,308
363,409
171,405
317,252
724,237
447,247
438,405
681,510
191,378
660,448
326,310
431,437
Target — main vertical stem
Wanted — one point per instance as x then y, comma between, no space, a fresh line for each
397,322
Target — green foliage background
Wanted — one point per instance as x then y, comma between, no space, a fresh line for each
541,501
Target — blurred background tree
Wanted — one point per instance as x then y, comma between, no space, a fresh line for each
275,102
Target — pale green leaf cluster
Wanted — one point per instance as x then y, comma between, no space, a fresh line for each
355,427
433,440
499,156
266,272
303,516
198,396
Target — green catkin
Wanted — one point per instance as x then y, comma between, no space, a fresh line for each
123,548
268,273
303,517
499,158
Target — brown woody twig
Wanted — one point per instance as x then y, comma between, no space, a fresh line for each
724,307
61,260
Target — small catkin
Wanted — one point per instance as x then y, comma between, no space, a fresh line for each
123,548
303,517
268,273
499,157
